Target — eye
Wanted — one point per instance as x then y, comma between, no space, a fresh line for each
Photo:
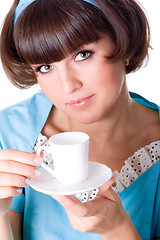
83,55
44,68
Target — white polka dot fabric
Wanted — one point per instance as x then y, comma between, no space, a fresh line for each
136,165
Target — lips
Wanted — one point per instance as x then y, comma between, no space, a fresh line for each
81,102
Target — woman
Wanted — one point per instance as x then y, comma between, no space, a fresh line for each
79,52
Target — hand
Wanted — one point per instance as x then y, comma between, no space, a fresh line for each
100,215
16,167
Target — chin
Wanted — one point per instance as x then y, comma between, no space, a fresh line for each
86,119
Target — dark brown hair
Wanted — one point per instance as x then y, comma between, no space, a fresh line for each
49,30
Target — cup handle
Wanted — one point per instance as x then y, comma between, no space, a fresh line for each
48,169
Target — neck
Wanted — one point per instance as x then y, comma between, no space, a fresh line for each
114,126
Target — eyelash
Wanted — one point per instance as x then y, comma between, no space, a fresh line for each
85,51
38,69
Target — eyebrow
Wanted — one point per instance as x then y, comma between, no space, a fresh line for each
81,48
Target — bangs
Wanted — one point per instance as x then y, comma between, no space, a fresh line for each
50,30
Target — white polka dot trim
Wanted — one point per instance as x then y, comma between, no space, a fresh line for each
136,165
87,196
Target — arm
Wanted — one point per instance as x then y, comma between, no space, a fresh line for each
125,231
16,224
11,223
6,234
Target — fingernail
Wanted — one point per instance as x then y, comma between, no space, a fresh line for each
36,172
28,182
19,190
38,160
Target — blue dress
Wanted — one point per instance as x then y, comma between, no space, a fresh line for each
44,217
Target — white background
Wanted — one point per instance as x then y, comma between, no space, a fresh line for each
145,81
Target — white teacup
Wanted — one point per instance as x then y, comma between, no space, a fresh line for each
69,152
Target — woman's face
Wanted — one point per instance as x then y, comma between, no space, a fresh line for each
85,85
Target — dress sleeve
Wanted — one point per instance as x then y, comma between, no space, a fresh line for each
1,146
157,233
157,230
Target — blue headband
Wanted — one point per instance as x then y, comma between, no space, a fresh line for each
24,3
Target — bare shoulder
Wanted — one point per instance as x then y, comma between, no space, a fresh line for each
16,223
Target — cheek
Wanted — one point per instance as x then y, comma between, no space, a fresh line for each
42,81
49,88
110,76
110,85
117,76
45,81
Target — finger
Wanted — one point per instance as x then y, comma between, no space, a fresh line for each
13,180
75,207
6,192
20,156
91,208
60,197
72,204
18,168
106,191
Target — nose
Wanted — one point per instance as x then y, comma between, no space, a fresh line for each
68,78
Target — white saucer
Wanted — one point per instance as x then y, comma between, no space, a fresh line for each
98,174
